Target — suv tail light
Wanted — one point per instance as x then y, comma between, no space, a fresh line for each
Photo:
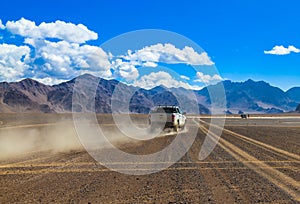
173,117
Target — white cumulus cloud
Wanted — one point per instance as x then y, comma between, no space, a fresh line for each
149,64
161,78
281,50
58,29
169,54
205,78
63,59
57,51
52,61
185,77
49,80
126,70
13,61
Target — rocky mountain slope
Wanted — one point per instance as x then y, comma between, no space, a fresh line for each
298,109
31,96
251,96
294,94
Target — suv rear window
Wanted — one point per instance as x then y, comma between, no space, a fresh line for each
165,110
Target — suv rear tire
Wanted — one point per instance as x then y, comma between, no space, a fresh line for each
176,128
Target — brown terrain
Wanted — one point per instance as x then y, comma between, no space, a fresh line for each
257,160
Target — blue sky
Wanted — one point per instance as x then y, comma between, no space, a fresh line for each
234,34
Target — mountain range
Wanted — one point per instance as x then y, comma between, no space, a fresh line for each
29,95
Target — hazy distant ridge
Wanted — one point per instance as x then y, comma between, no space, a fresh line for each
31,96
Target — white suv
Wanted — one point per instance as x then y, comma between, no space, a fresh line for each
167,117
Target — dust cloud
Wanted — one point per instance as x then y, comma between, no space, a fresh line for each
60,136
16,141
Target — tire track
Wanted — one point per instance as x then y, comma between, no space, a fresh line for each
38,174
265,146
24,165
285,183
29,126
71,169
21,162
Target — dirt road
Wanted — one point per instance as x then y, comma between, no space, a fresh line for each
251,164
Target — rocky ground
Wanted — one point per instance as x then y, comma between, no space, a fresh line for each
255,161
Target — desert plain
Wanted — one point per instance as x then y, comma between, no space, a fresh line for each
256,160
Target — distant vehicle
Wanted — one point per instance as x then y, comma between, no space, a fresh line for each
167,117
244,116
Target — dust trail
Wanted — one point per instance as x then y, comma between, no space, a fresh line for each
19,141
57,137
24,137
